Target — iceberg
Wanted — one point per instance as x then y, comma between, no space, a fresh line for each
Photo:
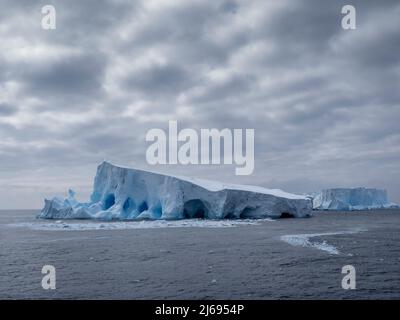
347,199
133,194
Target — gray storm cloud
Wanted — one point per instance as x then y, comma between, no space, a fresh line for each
324,102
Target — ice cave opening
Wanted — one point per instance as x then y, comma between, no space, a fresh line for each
129,205
157,210
246,213
143,207
285,215
109,201
195,209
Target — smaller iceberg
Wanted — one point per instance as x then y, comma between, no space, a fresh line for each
132,194
348,199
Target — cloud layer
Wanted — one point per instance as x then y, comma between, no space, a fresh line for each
324,102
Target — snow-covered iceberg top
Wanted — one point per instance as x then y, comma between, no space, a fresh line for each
351,199
132,194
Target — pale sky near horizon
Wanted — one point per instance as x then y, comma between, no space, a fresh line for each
324,101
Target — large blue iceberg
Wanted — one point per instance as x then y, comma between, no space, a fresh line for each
345,199
132,194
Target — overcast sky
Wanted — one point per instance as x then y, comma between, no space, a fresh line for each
324,102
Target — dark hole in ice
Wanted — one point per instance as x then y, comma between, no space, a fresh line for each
109,202
129,205
246,213
195,209
157,210
285,215
143,207
230,215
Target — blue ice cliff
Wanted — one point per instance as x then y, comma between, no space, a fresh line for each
345,199
131,194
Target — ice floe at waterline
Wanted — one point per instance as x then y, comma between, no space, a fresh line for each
128,225
132,194
351,199
305,240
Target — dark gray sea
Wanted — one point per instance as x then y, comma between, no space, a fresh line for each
268,259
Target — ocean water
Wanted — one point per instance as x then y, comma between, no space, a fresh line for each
199,259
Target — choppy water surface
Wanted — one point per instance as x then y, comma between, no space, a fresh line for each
200,259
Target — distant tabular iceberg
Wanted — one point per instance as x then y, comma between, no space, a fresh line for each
131,194
345,199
